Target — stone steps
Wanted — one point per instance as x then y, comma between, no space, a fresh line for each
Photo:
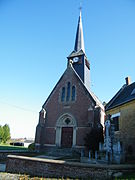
59,152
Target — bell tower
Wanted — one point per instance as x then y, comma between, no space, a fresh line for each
78,56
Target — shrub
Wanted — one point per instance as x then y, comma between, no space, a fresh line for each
31,147
4,133
93,138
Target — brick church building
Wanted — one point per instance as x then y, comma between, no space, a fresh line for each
71,109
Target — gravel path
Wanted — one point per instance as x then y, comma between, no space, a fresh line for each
8,176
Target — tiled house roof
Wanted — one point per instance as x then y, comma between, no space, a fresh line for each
124,95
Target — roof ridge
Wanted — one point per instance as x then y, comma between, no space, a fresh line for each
122,96
54,88
94,97
115,97
89,91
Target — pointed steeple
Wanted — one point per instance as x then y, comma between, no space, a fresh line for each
78,57
79,41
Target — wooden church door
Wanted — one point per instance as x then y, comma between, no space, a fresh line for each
67,137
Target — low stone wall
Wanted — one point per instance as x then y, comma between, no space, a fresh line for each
5,153
57,168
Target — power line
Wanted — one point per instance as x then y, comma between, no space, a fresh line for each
19,107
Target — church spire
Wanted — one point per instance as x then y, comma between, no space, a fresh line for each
79,41
78,57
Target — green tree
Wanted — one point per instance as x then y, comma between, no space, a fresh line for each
31,147
1,133
6,133
93,138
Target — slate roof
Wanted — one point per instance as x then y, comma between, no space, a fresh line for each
124,95
74,54
91,94
79,41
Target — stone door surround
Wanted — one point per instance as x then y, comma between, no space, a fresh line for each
65,120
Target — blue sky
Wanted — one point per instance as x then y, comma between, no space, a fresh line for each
36,36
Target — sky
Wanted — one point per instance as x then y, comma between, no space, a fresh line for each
36,36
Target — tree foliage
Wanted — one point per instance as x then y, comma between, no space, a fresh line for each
1,133
4,133
31,147
93,138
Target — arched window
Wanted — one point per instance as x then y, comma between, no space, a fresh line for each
73,93
68,92
63,94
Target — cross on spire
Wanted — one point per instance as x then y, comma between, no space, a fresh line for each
80,8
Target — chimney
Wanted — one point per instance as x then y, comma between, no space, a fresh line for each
128,80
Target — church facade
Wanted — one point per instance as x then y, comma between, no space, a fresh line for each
71,109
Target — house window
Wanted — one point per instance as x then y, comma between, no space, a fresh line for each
115,121
73,93
68,92
63,94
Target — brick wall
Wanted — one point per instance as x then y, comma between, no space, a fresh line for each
55,168
78,109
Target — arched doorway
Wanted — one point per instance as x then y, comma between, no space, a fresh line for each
67,137
66,131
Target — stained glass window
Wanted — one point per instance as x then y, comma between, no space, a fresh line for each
68,92
63,94
73,93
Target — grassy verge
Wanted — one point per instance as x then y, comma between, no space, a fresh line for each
127,176
9,147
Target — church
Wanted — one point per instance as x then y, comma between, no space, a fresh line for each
71,109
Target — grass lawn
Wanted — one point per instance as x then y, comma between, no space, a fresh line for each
9,147
127,176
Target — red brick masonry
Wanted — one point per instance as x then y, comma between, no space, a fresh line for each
57,168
